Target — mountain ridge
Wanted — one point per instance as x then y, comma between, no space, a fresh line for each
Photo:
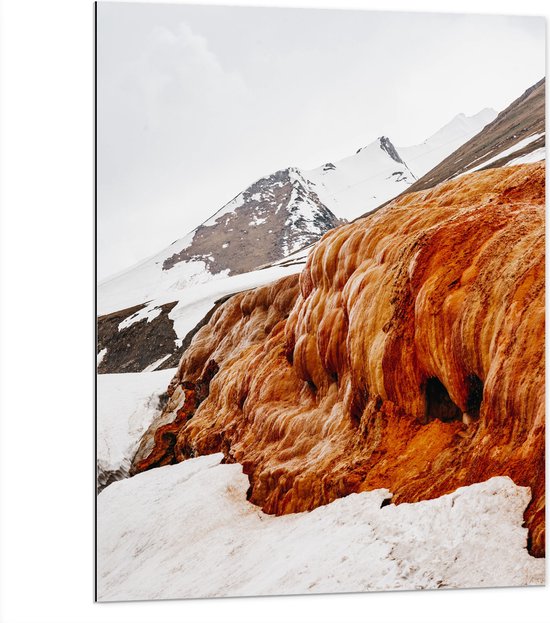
523,118
380,171
257,233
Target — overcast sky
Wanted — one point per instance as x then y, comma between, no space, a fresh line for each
194,103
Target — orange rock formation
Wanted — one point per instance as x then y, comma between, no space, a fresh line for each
408,355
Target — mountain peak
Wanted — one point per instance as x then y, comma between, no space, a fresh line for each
274,216
389,148
467,123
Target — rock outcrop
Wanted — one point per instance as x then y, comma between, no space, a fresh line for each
273,217
409,355
126,345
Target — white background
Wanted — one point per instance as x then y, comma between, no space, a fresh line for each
47,350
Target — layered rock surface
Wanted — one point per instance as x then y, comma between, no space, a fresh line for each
409,354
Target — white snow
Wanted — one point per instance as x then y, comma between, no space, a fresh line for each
534,156
101,356
424,157
126,406
150,312
186,530
505,152
362,182
196,302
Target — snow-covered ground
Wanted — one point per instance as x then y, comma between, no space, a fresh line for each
194,302
126,406
146,281
192,308
187,530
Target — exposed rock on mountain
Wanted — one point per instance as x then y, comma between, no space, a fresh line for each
409,355
142,338
386,145
131,340
275,216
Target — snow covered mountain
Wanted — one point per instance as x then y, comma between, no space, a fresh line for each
284,212
272,218
424,157
515,136
380,171
148,311
363,181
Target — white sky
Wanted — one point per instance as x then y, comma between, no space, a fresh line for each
194,102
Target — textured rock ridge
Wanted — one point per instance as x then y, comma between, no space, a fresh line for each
389,148
410,356
275,216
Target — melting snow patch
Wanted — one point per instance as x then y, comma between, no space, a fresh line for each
146,313
153,366
257,221
192,274
506,152
534,156
101,356
187,530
